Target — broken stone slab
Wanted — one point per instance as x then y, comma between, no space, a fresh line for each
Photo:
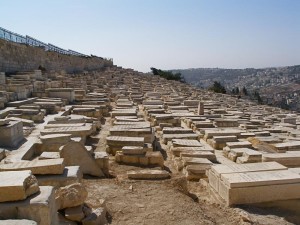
148,174
18,185
71,175
75,154
70,196
40,207
18,222
50,166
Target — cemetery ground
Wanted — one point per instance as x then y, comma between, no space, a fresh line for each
169,202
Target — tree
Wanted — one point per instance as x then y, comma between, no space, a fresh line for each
244,90
217,87
257,97
167,74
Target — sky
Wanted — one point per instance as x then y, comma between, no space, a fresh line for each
165,34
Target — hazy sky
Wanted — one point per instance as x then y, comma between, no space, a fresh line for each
166,34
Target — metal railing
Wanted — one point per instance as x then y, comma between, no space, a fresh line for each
17,38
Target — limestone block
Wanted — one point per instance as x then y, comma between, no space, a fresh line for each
50,166
11,134
155,158
257,187
133,150
17,185
200,154
40,207
97,217
75,154
71,175
148,174
70,196
102,161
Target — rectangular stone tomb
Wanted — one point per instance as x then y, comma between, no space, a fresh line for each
75,131
125,141
177,150
169,137
40,207
186,143
217,170
50,166
200,154
195,161
133,150
258,187
17,185
147,133
290,159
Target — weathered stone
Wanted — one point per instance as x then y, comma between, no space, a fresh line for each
75,154
17,185
50,166
70,196
71,175
40,207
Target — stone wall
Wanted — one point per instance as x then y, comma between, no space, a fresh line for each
19,57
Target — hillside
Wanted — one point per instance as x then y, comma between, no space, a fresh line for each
278,86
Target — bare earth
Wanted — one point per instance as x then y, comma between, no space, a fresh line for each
173,201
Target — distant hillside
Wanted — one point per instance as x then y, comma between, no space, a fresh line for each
278,86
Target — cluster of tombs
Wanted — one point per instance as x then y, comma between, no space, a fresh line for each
50,130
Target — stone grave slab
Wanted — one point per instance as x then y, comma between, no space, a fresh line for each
50,166
18,185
